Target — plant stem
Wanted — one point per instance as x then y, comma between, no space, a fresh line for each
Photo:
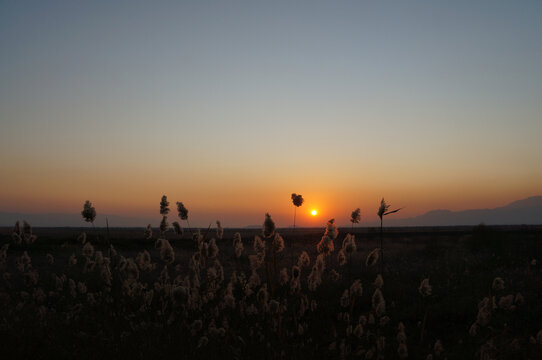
381,248
107,225
350,264
423,323
189,229
269,279
206,232
275,265
95,232
291,241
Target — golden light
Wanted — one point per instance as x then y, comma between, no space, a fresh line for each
314,212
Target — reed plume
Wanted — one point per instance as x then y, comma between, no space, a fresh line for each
148,232
89,212
269,228
372,258
355,217
163,225
219,230
164,206
182,211
297,200
425,290
238,245
383,211
178,229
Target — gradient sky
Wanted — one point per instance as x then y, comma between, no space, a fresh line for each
230,106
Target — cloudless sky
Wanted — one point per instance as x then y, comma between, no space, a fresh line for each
230,106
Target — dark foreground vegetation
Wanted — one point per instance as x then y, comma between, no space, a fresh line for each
445,293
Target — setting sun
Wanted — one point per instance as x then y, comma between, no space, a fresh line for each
314,212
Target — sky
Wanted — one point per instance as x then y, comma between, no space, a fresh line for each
230,106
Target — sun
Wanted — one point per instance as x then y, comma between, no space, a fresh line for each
314,212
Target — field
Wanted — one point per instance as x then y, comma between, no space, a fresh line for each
65,296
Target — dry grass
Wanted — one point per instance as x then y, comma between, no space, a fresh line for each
40,318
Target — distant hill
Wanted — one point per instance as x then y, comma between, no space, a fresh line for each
526,211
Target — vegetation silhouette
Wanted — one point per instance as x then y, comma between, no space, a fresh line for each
217,297
383,211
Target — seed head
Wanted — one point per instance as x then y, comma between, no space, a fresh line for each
358,331
402,351
27,229
213,249
349,244
278,243
425,289
331,229
356,289
296,272
238,245
82,238
345,299
356,216
256,261
303,260
314,279
320,263
519,299
166,252
325,246
372,258
378,303
334,275
148,232
219,230
164,205
183,212
268,226
262,296
507,302
379,282
274,306
383,208
438,348
259,245
17,229
498,284
297,200
283,277
163,224
89,213
177,228
341,258
88,250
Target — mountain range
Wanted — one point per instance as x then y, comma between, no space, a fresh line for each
527,211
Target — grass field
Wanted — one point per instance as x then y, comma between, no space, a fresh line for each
190,301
